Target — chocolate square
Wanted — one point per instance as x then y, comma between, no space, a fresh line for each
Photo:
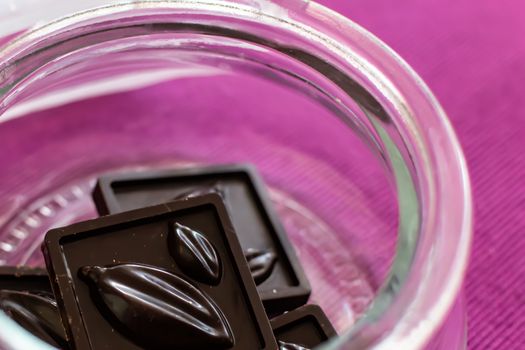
168,276
283,286
305,327
25,279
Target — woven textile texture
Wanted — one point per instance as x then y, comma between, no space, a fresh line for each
472,55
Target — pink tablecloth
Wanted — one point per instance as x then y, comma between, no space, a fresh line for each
472,55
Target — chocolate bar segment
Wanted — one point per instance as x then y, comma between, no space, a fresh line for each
26,297
305,327
25,279
118,285
143,302
281,281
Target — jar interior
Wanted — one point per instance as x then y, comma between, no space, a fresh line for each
146,95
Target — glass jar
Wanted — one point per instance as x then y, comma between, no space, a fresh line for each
362,165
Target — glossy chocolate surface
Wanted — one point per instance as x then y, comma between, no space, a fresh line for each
143,302
37,314
281,281
290,346
261,263
194,254
94,269
26,297
306,327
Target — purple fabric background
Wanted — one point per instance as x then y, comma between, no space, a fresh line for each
472,55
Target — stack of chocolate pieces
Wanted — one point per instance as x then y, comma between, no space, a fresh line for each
185,259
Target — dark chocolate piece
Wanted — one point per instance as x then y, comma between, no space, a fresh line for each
201,191
286,287
144,301
140,237
26,297
26,279
306,326
37,314
290,346
194,254
261,263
